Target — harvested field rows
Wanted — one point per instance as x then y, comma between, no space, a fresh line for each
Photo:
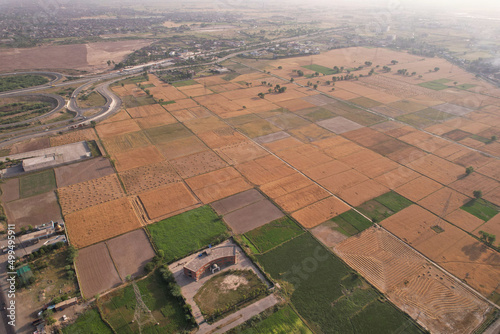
148,177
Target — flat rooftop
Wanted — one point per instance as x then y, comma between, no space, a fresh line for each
213,254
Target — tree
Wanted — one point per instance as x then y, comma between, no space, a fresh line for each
280,67
261,95
368,63
315,86
292,80
493,138
394,62
477,194
300,73
469,170
436,69
455,83
109,62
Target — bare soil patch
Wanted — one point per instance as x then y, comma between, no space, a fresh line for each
237,201
30,145
35,210
137,158
339,124
10,190
83,171
252,216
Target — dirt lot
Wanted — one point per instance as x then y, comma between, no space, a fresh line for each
96,271
412,283
198,163
252,216
218,184
73,137
83,171
30,145
148,177
168,200
101,222
130,253
237,201
319,212
91,57
89,193
10,190
137,158
36,210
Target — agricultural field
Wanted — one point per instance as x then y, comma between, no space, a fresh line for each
118,308
83,171
273,234
36,184
226,290
89,322
13,82
412,283
188,232
327,293
283,321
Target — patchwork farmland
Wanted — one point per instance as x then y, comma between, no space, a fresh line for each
366,188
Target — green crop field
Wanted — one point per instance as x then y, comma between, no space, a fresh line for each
433,114
12,82
319,114
481,208
188,232
384,206
274,233
320,69
35,184
283,321
350,223
325,291
184,83
435,85
118,308
132,102
88,323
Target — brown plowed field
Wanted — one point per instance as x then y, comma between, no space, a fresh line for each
376,167
298,199
83,171
397,177
219,184
10,190
155,120
258,128
264,170
89,193
130,253
148,177
362,192
319,212
101,222
123,143
286,185
35,210
426,293
241,152
30,145
310,133
436,201
337,183
237,201
464,220
96,271
73,137
147,110
182,147
168,200
117,128
137,158
283,144
474,181
222,137
437,169
198,125
252,216
327,169
418,188
198,163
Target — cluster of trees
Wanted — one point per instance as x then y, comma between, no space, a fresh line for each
277,89
21,81
405,72
487,237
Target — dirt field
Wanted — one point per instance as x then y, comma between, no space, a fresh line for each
83,171
123,143
436,201
73,137
168,200
10,190
339,125
418,188
198,163
148,177
300,198
264,170
35,210
252,216
30,145
218,184
237,201
241,152
130,253
362,192
117,128
101,222
319,212
88,57
96,271
89,193
182,147
137,158
434,299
